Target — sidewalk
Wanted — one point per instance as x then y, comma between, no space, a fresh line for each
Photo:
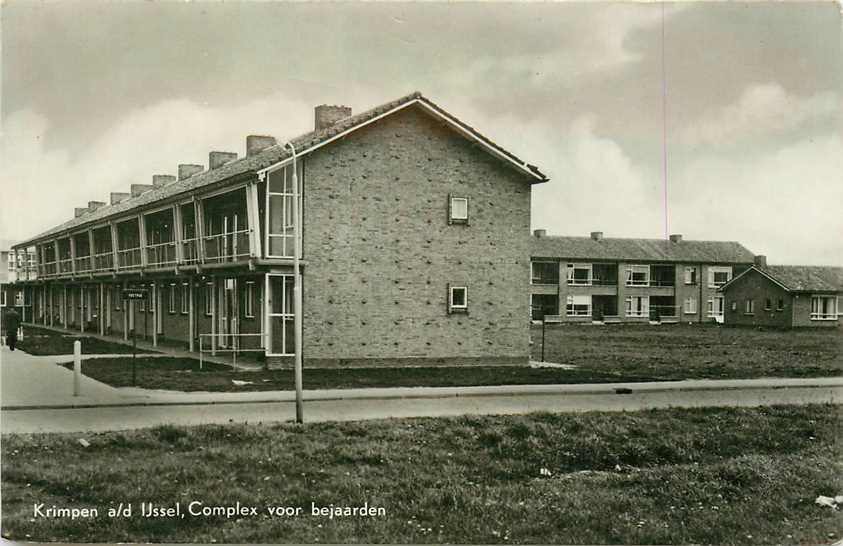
35,382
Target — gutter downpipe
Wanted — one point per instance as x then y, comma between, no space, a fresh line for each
297,293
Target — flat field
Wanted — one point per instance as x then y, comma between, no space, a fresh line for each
696,476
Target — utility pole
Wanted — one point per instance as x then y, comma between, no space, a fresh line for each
297,295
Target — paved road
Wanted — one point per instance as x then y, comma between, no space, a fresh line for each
117,418
36,382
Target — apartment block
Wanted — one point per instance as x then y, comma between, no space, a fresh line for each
611,280
413,238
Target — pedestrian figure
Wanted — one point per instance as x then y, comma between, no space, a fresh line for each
12,325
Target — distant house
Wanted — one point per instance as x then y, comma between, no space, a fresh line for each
14,267
784,296
601,279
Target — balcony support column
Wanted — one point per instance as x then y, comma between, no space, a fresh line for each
64,306
177,233
82,308
56,257
199,214
253,214
155,313
114,256
191,326
72,241
142,238
91,250
101,314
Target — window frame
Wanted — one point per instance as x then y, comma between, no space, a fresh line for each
692,269
184,302
570,273
711,312
819,315
534,277
171,299
629,274
249,304
457,308
749,306
208,297
571,305
780,304
712,272
689,309
452,219
644,307
768,304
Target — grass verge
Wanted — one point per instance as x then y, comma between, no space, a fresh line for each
43,341
721,476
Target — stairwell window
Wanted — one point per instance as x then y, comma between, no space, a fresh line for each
457,210
690,305
457,299
690,275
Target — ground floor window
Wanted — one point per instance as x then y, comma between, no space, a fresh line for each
2,297
638,306
209,297
249,308
171,299
543,304
184,298
749,307
823,307
279,290
768,304
715,306
578,306
780,305
690,305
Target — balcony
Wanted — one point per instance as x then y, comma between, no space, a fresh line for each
227,247
66,266
104,261
129,258
161,255
83,264
189,249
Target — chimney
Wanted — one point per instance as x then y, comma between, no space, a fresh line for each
94,205
328,115
218,159
258,143
597,235
138,189
540,233
116,197
676,238
159,180
760,261
187,170
77,212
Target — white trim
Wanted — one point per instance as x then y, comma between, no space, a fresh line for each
435,112
459,308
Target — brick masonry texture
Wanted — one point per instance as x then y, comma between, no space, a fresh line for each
381,253
756,287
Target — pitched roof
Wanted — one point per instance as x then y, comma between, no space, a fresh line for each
800,278
273,155
650,250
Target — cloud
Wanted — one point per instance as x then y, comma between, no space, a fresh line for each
45,185
761,112
595,186
787,204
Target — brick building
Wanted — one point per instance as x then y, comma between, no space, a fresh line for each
784,296
14,265
414,247
608,280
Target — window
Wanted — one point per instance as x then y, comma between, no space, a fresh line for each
638,306
690,305
19,299
457,299
543,304
209,294
579,274
2,297
185,298
250,296
768,304
280,202
171,299
718,276
152,295
780,305
715,306
749,307
578,306
544,273
142,305
117,296
458,210
823,308
638,275
690,275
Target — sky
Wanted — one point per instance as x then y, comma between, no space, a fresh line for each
714,120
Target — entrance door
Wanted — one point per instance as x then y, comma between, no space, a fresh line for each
227,298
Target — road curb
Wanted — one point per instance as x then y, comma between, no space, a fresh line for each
458,392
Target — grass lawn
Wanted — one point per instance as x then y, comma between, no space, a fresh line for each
672,352
42,341
600,354
704,476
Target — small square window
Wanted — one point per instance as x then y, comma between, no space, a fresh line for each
458,210
768,304
780,305
458,299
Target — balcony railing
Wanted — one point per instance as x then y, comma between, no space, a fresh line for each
104,261
48,268
129,258
161,254
83,264
189,248
227,247
66,266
